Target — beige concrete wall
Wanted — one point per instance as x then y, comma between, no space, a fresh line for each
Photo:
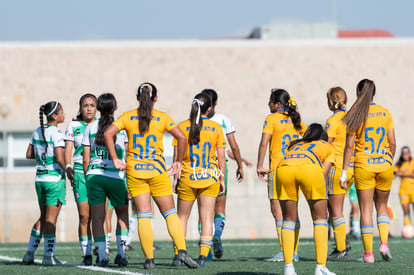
243,72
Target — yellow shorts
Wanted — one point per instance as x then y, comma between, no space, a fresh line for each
309,178
334,184
379,180
406,197
158,186
271,185
188,193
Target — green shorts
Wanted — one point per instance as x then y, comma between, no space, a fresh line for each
353,194
226,172
100,187
79,187
51,193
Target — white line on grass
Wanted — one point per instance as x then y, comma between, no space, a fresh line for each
93,268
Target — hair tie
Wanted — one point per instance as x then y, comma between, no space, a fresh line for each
142,88
292,102
53,110
199,103
336,106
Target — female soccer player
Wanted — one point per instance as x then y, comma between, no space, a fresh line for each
104,180
371,128
146,170
73,140
405,170
201,175
46,146
280,128
336,130
305,166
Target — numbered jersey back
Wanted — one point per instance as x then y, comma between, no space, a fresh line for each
280,126
315,152
372,151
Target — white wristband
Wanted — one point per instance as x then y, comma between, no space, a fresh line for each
343,176
68,166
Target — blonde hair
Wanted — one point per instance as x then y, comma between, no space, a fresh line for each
337,99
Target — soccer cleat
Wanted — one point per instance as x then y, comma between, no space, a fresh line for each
149,264
289,270
176,261
367,258
202,261
217,247
337,255
279,257
319,270
50,260
186,259
120,261
348,245
102,263
128,247
28,258
87,260
296,257
385,252
155,248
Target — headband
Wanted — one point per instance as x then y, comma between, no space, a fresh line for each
199,103
145,85
53,110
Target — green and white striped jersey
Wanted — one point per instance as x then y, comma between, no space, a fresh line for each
101,163
47,167
74,132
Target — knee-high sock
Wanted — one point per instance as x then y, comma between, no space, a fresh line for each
407,220
121,239
146,235
339,229
34,241
132,221
297,232
367,233
100,245
279,224
50,244
108,240
175,228
320,237
205,245
219,222
383,223
288,240
86,244
355,226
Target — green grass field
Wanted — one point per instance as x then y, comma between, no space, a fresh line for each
240,257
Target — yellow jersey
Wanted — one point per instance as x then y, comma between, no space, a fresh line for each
280,126
200,160
145,151
407,167
372,150
316,152
336,129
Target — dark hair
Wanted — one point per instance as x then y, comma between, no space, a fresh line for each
146,94
282,96
106,106
212,94
85,96
314,132
201,103
49,109
401,160
357,115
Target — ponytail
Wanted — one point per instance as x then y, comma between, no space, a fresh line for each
49,109
314,132
357,115
199,106
106,106
337,99
146,95
289,103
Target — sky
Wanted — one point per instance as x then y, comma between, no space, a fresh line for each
39,20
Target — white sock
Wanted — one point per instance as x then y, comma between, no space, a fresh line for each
108,240
49,245
133,221
121,243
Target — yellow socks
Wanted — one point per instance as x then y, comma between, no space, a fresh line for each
338,224
407,220
383,223
146,235
297,231
320,237
279,224
205,245
288,240
367,233
175,228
